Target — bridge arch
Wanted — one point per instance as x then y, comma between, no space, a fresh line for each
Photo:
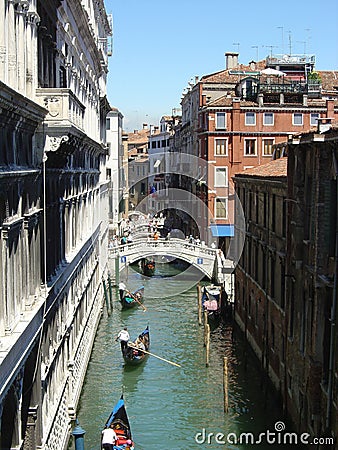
201,257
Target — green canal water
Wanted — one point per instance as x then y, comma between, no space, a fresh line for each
169,407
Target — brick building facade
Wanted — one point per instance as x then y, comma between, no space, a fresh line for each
232,119
286,280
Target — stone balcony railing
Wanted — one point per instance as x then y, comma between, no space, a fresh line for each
63,106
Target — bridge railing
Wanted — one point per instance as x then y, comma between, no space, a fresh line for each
161,243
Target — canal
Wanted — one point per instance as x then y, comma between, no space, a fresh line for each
170,407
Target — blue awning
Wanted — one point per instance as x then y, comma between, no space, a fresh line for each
222,230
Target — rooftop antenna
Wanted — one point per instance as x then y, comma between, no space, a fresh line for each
238,44
304,43
308,30
270,47
290,43
282,28
256,47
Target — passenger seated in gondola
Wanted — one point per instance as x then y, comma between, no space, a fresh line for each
139,344
211,305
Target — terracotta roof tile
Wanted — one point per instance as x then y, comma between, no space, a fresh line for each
273,169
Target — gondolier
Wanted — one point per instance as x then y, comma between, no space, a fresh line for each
119,423
123,337
122,288
108,439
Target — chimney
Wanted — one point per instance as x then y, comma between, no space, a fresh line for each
252,65
145,126
329,107
231,60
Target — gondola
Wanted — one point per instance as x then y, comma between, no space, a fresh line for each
211,303
131,299
133,356
148,267
118,421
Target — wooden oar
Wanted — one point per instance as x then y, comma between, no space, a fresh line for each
137,301
152,354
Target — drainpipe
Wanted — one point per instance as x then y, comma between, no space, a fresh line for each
333,312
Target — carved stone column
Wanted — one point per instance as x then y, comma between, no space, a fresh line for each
12,61
31,53
3,50
17,398
21,37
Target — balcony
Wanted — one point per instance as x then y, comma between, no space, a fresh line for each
283,88
64,108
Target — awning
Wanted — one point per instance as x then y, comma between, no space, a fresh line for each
222,230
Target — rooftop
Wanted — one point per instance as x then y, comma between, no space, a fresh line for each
273,169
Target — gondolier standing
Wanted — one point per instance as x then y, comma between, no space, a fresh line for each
123,337
108,439
122,288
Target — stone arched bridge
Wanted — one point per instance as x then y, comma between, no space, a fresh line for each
207,260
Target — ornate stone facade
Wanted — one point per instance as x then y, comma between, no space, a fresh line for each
53,211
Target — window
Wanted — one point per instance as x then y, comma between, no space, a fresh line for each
250,147
250,118
297,119
221,208
267,147
220,120
221,176
107,124
221,147
268,119
314,119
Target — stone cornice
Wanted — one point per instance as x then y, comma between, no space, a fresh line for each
14,101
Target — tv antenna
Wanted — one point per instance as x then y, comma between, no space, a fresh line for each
237,44
290,43
270,47
282,28
256,47
304,43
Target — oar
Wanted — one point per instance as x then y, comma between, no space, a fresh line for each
152,354
137,301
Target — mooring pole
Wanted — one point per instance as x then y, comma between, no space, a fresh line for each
199,304
110,291
207,344
225,384
205,327
78,434
106,296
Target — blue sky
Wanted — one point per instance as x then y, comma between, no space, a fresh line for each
159,46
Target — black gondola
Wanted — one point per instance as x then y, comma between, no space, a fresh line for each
148,267
131,299
133,354
119,422
211,303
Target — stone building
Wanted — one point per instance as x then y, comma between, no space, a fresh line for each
115,168
53,211
286,280
138,168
